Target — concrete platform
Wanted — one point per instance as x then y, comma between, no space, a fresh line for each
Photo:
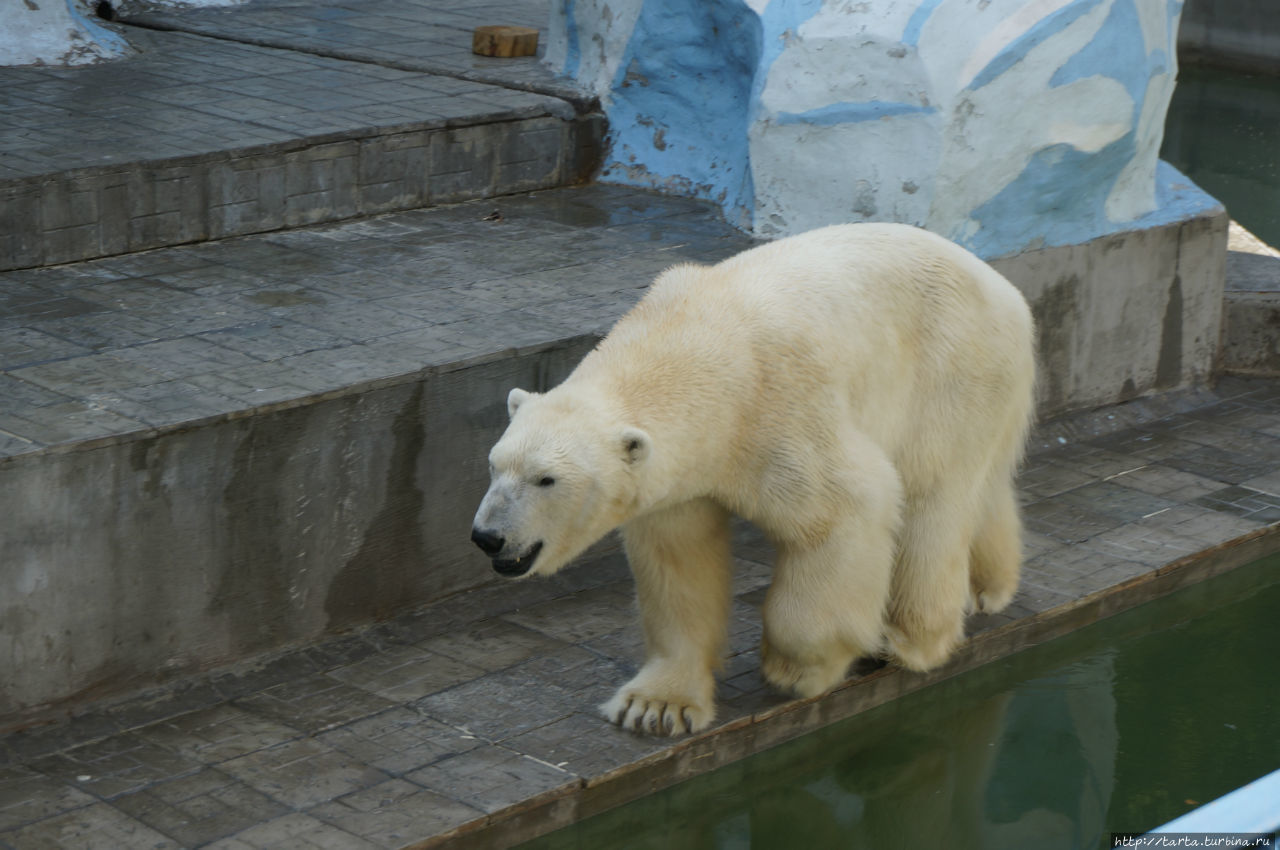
199,138
470,722
1251,320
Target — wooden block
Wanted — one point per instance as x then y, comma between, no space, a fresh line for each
504,42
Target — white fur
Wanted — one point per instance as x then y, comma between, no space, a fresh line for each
861,393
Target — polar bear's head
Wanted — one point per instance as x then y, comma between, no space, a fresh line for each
563,475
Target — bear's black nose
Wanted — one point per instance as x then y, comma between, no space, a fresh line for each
489,543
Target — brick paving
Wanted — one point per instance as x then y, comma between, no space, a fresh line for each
115,346
473,720
420,35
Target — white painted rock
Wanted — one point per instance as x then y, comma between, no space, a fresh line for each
55,32
1003,124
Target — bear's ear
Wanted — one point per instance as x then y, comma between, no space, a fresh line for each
635,445
515,398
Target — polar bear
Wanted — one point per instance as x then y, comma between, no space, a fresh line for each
861,393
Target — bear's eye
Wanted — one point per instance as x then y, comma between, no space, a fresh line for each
546,481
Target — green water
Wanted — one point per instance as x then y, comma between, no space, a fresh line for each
1118,727
1223,131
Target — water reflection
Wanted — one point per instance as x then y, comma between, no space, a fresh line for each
1221,132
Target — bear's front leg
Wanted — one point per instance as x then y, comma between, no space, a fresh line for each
680,559
826,606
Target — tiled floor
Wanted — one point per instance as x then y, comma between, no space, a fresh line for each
186,95
481,708
152,339
421,35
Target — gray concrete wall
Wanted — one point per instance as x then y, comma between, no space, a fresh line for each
1243,34
144,558
1125,315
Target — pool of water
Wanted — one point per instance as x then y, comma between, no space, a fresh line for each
1118,727
1223,131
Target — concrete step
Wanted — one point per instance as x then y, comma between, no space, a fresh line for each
216,450
1251,314
199,137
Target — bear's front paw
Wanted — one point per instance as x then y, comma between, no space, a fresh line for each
647,704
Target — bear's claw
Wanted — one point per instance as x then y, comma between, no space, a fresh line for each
655,715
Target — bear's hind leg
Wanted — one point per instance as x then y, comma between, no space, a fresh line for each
681,561
995,557
826,606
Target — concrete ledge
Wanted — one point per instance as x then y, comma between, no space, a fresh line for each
141,558
101,212
1125,315
1251,334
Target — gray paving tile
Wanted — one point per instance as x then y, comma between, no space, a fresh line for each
27,796
217,734
1231,467
296,831
169,403
1113,501
314,703
1160,480
96,827
399,740
200,808
303,773
492,777
579,616
261,674
395,813
25,346
402,674
1268,483
1066,522
584,745
1172,534
117,765
520,698
1243,502
25,745
492,644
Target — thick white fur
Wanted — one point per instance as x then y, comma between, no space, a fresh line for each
861,393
